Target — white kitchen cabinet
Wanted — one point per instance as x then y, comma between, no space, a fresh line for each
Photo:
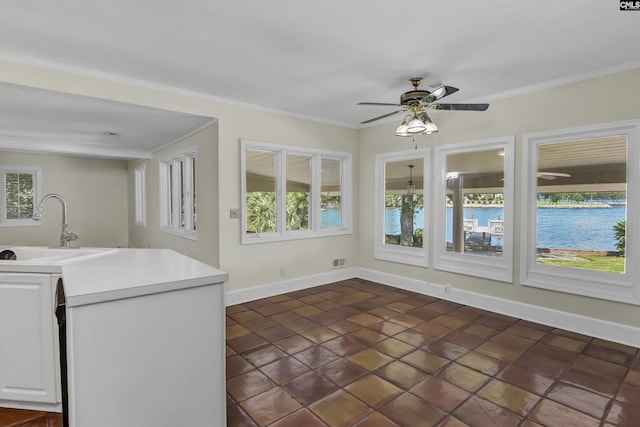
144,334
29,370
145,341
153,360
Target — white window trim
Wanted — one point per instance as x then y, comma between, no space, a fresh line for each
169,217
140,194
598,284
396,253
499,269
314,230
37,172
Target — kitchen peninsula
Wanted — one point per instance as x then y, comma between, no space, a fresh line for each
144,333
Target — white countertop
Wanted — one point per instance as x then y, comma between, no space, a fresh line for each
122,273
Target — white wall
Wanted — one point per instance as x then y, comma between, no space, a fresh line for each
95,191
605,99
247,265
205,248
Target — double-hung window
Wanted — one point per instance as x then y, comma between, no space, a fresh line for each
178,214
402,193
581,198
20,192
474,208
291,192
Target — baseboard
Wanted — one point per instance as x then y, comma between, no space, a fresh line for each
596,328
277,288
589,326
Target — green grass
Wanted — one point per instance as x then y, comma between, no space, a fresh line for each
613,264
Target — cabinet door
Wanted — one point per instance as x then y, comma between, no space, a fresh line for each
28,337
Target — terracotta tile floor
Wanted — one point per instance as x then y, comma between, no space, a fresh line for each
357,353
23,418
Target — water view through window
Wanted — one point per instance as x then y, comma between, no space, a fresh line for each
581,203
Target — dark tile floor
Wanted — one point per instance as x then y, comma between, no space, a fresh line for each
357,353
23,418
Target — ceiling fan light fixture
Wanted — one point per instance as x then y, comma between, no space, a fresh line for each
402,129
430,127
416,126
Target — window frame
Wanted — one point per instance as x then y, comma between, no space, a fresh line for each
140,196
499,269
397,253
315,230
597,284
36,172
171,196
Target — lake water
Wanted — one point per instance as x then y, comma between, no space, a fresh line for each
559,228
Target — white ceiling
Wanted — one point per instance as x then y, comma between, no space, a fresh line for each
318,60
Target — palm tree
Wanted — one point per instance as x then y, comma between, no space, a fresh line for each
620,233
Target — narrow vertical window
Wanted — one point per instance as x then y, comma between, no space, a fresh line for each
401,190
178,193
331,193
298,192
140,196
260,193
404,203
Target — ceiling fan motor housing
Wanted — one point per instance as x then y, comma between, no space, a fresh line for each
413,97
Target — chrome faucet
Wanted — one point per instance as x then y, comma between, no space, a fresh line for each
66,235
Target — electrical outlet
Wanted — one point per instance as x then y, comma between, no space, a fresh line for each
283,272
234,213
447,289
338,262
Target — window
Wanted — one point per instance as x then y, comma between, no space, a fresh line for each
581,208
294,192
20,192
474,208
178,213
140,196
401,231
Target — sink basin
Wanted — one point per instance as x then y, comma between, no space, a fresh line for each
36,254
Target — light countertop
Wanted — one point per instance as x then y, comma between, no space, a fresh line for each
122,273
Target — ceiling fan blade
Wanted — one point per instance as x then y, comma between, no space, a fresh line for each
550,176
381,117
379,103
439,93
465,107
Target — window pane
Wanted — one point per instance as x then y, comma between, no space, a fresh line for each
19,195
581,213
404,203
182,192
331,194
169,207
298,192
475,203
193,193
260,191
140,191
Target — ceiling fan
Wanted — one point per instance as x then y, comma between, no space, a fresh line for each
415,102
